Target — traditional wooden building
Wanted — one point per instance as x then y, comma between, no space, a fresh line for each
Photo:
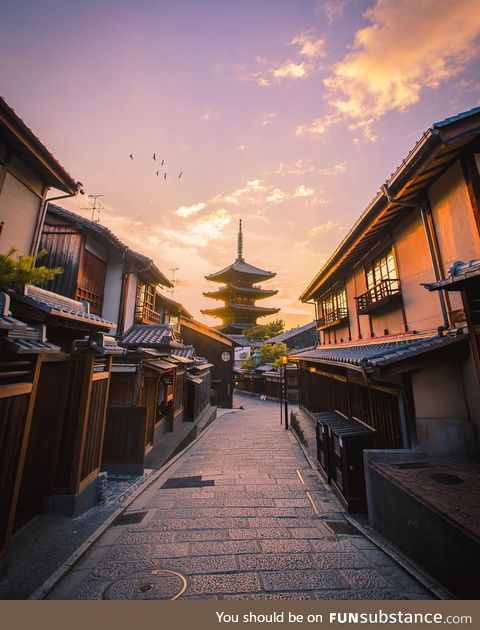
118,283
218,350
28,357
54,394
239,293
390,353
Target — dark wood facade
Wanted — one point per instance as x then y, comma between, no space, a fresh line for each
219,351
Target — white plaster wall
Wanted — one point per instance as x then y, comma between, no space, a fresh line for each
130,306
19,209
113,286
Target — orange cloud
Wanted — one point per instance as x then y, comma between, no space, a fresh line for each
410,46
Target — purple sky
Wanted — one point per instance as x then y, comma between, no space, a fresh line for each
288,114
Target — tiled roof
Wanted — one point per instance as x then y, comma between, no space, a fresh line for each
59,306
148,336
187,352
101,344
293,332
241,267
376,355
457,274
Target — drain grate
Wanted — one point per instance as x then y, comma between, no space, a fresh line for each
194,481
341,527
445,479
129,518
149,584
411,465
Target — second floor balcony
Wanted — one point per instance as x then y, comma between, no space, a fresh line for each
382,293
146,315
332,318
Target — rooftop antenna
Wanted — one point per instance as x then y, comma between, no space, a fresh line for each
95,207
173,281
240,242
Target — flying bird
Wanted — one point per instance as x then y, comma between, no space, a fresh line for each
131,156
165,177
163,162
180,174
154,156
157,173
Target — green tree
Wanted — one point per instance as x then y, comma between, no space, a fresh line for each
262,332
269,353
17,271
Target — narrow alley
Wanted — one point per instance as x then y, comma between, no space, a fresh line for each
235,517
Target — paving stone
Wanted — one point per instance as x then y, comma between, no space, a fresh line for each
327,560
293,503
359,595
225,583
137,538
378,557
91,589
169,550
258,533
203,523
279,596
192,535
275,561
205,564
224,547
248,502
114,570
332,545
280,512
306,532
285,546
302,580
401,579
365,578
129,552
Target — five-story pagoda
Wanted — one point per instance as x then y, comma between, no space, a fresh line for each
239,292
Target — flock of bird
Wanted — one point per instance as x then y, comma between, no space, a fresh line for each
161,164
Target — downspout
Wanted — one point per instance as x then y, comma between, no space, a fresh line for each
431,247
43,212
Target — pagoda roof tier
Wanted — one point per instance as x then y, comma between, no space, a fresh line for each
240,270
234,289
224,311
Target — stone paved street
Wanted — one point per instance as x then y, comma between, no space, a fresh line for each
239,524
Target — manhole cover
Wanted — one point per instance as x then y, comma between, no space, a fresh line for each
148,584
341,527
129,518
195,481
445,479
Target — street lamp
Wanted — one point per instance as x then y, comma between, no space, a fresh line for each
285,389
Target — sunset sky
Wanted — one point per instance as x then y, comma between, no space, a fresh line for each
289,114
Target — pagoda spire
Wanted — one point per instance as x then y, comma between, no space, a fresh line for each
240,243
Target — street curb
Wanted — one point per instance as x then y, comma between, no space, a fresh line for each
42,591
407,565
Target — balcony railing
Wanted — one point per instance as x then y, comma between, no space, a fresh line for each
146,315
382,293
332,318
